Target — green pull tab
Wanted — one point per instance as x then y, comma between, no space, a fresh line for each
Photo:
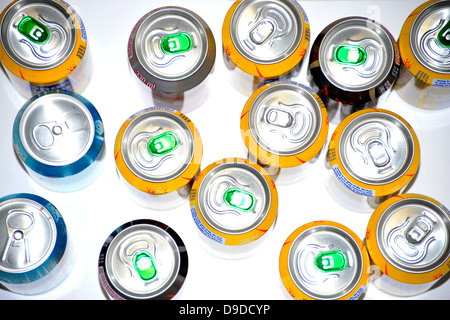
176,43
144,265
33,30
239,199
163,144
350,55
331,261
444,35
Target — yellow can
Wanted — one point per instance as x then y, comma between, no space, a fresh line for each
408,241
424,44
43,47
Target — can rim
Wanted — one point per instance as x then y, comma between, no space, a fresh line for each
285,274
382,189
409,60
53,75
235,239
283,161
159,188
385,266
260,70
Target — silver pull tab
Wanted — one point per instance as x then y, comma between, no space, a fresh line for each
18,224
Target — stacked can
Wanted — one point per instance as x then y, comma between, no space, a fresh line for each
354,61
143,260
324,260
43,47
424,43
59,137
171,53
234,204
373,155
408,241
158,152
284,126
264,40
35,256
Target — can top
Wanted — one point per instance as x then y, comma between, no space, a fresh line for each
28,234
144,259
56,129
430,37
157,146
234,198
408,238
376,147
324,261
356,54
285,119
38,35
173,45
266,31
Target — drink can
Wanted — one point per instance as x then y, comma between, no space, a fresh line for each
264,40
324,260
424,43
59,137
353,63
143,260
284,126
234,204
373,154
44,47
158,152
35,255
171,53
408,242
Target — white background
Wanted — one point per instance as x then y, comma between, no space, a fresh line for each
93,213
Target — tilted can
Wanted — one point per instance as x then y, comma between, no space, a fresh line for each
59,137
35,253
171,53
284,126
324,260
143,260
158,153
264,40
44,47
353,64
373,154
234,204
424,43
408,242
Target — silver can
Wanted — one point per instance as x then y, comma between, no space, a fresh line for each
59,137
171,53
408,241
324,260
234,204
284,126
354,62
373,154
35,254
44,47
143,260
424,43
158,153
264,40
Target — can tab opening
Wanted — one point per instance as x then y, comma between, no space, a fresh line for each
35,31
144,265
331,261
444,35
350,55
239,199
163,144
176,43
